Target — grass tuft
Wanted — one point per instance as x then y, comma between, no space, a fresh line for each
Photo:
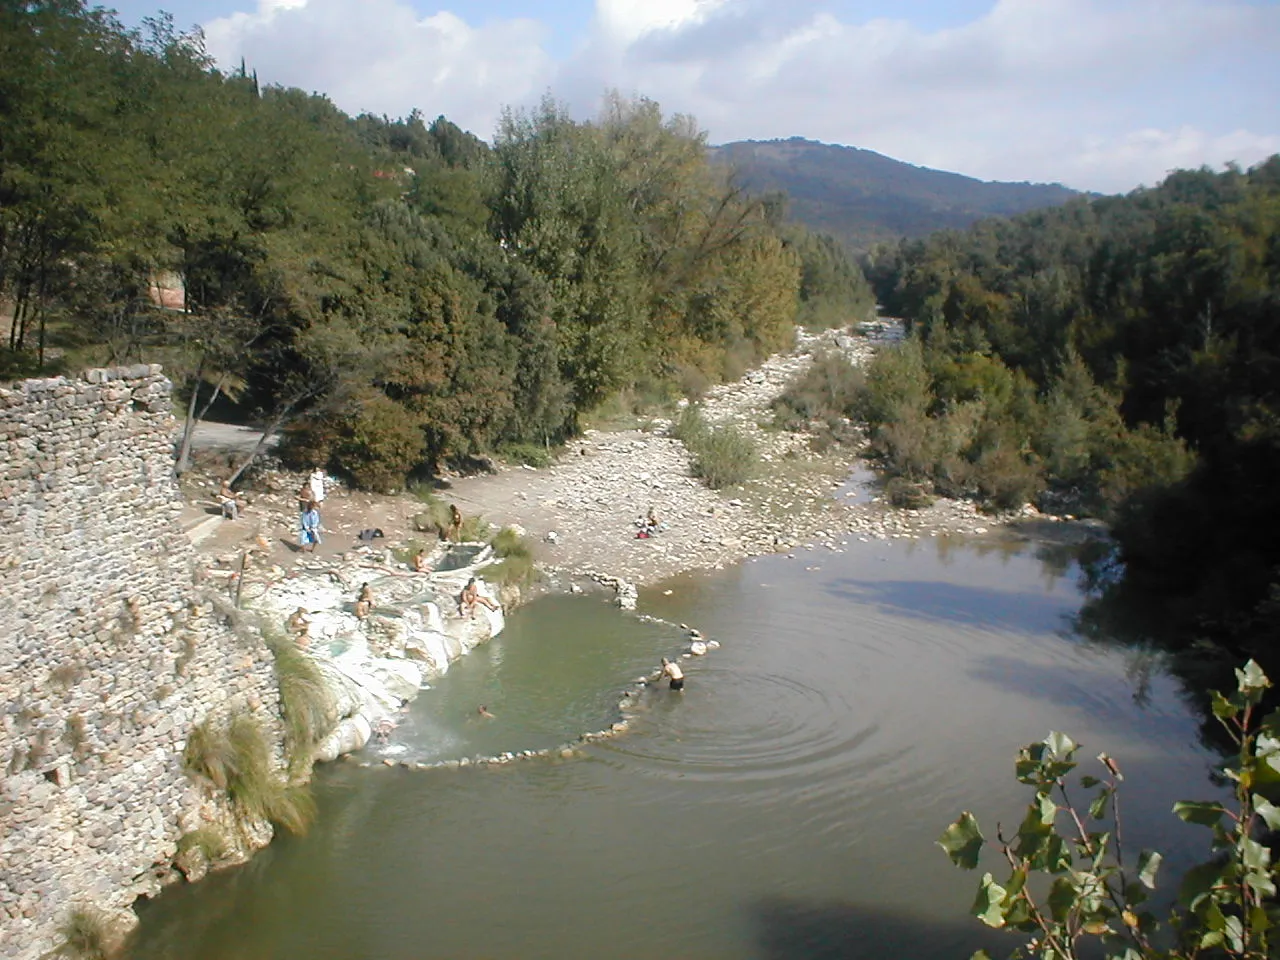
86,935
205,839
305,700
237,759
721,456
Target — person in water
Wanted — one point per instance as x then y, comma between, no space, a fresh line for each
483,711
671,670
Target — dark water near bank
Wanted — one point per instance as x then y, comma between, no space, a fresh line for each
784,806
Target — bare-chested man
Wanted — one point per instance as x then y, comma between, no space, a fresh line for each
672,670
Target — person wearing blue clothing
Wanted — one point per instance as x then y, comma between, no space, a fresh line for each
309,536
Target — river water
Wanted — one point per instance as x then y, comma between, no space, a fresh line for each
783,806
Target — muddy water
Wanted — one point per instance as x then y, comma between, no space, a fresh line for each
783,806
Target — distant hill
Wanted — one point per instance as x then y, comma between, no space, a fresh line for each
862,197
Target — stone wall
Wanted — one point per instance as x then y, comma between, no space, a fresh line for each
108,654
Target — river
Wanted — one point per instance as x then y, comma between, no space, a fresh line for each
784,806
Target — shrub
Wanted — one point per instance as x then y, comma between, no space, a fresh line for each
86,935
828,391
530,453
208,841
378,444
237,759
305,701
721,456
725,458
515,563
1007,479
910,496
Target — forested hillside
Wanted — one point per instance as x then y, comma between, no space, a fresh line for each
1120,356
862,197
393,293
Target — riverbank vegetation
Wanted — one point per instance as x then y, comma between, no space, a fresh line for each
1074,891
1119,357
393,294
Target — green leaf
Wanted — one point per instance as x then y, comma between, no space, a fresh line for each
1267,811
1062,898
1098,808
1061,745
981,955
1251,681
1047,809
1198,883
962,841
988,906
1089,782
1204,813
1148,864
1223,708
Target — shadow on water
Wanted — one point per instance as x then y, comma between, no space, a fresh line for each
957,603
789,929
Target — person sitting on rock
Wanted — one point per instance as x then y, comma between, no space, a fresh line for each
300,627
231,505
420,564
364,602
470,597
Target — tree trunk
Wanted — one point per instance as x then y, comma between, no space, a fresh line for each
189,428
269,432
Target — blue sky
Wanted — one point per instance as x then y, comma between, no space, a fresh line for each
1098,94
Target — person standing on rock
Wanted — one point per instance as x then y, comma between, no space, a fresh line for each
310,532
455,523
230,503
672,670
316,483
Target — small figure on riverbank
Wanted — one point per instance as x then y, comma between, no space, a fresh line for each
316,483
672,670
470,597
232,506
483,711
310,533
419,562
300,626
455,523
364,602
304,497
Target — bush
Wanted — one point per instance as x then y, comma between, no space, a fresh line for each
828,391
515,559
530,453
305,701
1006,479
378,444
208,841
907,495
86,935
237,759
721,456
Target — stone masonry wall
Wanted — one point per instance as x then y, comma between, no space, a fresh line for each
108,657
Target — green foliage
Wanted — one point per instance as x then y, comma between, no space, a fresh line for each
1093,898
526,453
305,701
207,840
721,456
86,935
515,558
237,758
377,444
828,393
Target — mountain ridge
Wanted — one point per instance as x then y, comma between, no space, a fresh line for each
862,197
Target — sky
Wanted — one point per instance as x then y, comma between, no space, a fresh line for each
1103,95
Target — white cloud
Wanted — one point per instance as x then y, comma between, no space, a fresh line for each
1100,94
381,56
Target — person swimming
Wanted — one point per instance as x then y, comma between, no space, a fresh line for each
483,711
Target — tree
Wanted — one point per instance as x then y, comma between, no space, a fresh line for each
1098,891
